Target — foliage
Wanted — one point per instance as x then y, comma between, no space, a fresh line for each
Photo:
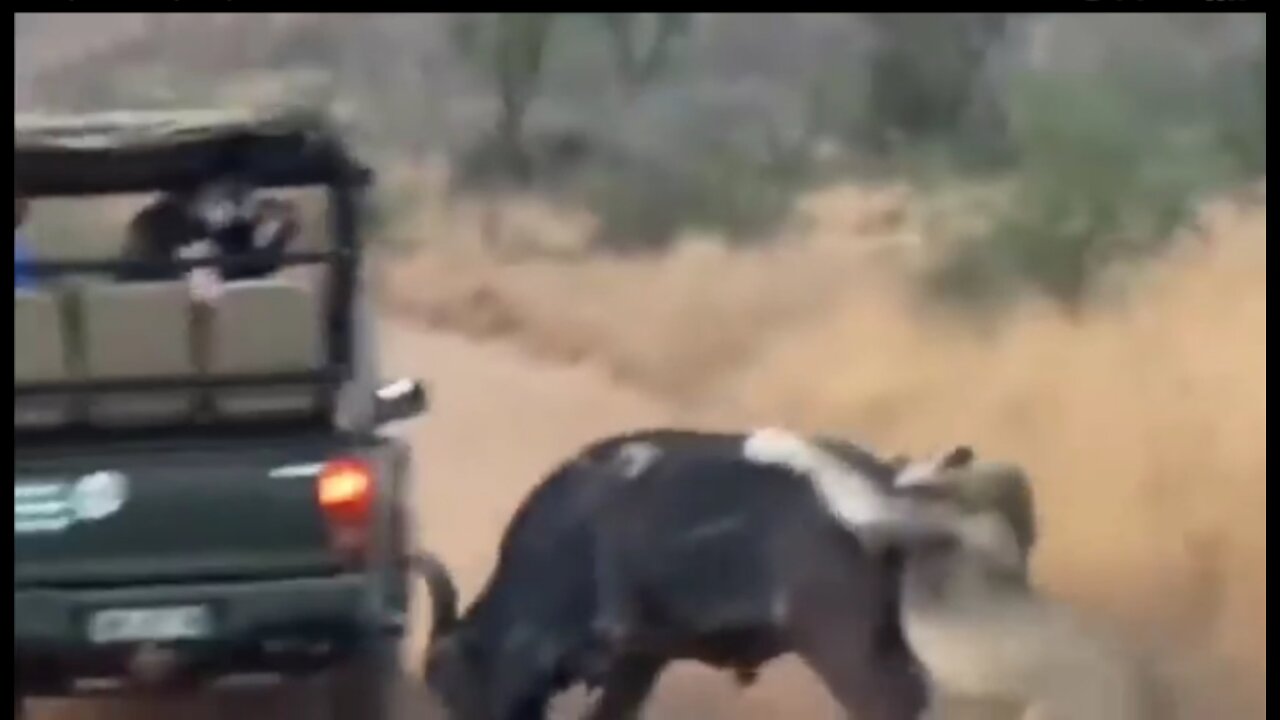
509,49
1099,178
642,43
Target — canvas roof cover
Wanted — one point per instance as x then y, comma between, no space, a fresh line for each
139,151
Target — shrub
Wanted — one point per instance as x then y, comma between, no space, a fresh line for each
1099,178
644,203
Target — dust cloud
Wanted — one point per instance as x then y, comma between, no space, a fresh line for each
1142,418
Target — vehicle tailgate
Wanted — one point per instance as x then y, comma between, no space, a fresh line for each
180,511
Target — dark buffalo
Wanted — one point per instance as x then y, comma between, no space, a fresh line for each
664,545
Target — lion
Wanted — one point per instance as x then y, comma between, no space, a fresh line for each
979,626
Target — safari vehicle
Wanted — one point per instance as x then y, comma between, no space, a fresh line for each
204,499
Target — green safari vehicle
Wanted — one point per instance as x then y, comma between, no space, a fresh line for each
206,494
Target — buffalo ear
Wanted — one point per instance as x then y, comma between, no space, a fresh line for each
961,456
934,471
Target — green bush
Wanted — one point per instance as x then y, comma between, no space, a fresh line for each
1099,178
923,80
1241,112
383,209
645,204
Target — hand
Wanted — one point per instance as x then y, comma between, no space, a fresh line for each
204,283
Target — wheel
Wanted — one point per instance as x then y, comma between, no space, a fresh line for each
371,686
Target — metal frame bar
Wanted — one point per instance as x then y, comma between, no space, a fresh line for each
57,268
83,431
320,378
344,186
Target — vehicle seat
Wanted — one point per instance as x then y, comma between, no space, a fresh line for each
138,331
265,326
40,355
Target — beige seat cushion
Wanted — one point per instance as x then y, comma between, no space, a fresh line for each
40,355
138,331
260,327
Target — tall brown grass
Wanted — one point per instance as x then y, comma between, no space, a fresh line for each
1143,420
1144,425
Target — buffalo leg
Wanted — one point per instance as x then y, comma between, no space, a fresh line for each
844,626
868,690
626,687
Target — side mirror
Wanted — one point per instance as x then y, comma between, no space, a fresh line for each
399,400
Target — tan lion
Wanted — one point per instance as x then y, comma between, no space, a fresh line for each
979,626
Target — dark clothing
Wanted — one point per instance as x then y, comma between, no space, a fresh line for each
247,237
156,235
164,228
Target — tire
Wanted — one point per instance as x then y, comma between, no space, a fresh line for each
371,686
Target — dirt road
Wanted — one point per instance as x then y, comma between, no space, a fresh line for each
499,421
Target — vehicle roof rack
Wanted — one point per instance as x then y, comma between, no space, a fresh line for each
126,151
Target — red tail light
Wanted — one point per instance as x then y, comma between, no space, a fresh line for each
345,490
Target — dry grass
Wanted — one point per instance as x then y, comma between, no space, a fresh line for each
1145,426
675,323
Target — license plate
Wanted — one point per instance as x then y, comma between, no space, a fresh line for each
122,625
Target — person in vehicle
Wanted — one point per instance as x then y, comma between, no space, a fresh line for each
257,229
156,235
221,218
24,276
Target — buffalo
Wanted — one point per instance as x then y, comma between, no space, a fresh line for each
664,545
